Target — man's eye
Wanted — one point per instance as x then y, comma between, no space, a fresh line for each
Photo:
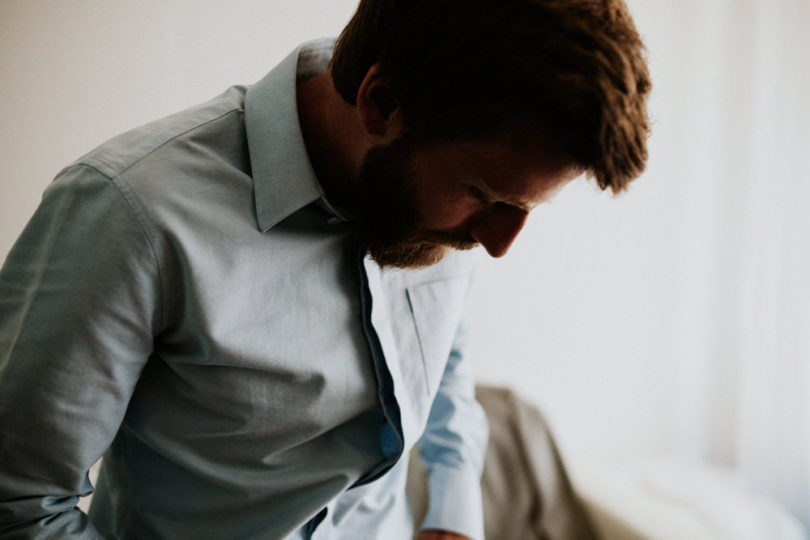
479,195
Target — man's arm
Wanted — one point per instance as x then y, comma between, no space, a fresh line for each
79,304
452,450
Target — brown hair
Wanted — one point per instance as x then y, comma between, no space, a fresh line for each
572,71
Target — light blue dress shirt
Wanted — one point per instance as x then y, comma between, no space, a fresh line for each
186,303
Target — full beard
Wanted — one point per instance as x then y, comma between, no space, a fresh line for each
388,216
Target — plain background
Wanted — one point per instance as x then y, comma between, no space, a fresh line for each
673,320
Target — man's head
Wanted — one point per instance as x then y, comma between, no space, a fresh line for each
418,201
548,86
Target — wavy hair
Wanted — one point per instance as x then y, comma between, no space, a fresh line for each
571,71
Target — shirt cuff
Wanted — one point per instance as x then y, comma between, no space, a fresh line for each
455,501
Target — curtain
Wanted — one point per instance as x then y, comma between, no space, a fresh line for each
736,99
772,443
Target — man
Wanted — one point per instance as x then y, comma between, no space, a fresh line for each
252,308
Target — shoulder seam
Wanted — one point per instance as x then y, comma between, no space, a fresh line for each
140,219
89,159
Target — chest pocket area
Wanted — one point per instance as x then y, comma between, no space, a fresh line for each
437,309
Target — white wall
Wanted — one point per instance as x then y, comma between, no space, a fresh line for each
631,320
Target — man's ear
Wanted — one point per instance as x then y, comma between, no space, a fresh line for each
378,108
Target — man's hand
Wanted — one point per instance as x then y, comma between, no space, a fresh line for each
440,535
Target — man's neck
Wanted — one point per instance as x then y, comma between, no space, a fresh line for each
330,129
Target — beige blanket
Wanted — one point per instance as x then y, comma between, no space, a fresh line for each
526,490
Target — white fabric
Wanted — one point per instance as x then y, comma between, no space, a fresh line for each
667,500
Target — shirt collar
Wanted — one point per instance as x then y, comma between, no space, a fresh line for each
283,178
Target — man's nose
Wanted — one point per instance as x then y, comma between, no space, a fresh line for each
497,227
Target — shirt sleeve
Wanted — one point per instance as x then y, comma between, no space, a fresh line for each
453,448
79,305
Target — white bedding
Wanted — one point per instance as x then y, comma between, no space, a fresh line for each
668,500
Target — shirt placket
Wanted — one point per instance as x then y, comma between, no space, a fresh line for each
391,436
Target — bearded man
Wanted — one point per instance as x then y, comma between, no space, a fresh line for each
252,309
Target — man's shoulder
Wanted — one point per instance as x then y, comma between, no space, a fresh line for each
119,154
